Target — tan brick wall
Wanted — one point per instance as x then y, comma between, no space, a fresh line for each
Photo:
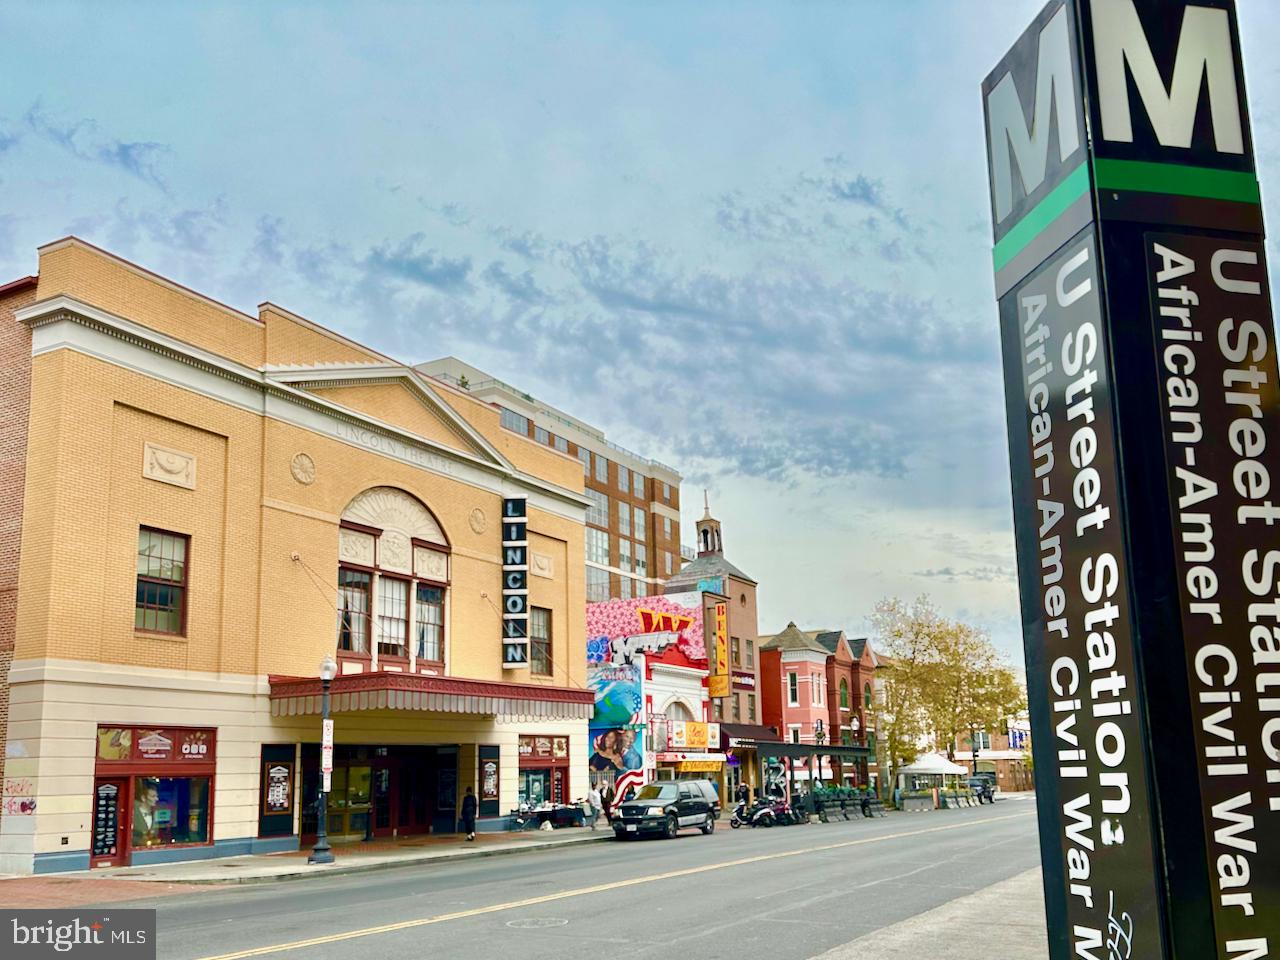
112,284
291,341
525,453
15,390
395,404
84,609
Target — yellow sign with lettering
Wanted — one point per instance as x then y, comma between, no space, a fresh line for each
719,686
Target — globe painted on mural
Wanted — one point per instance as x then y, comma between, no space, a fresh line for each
617,704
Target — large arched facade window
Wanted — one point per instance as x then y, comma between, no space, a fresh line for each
393,582
844,694
866,695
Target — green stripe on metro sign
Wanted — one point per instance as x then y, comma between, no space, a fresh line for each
1176,179
1072,187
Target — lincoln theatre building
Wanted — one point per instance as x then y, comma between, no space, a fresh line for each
199,507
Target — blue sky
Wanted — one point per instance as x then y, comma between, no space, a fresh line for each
751,240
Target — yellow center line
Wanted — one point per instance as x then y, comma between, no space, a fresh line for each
585,891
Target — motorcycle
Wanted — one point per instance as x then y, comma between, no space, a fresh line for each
759,815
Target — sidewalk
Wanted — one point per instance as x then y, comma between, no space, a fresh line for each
979,926
351,857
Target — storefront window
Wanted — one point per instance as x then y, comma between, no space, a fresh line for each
170,810
535,786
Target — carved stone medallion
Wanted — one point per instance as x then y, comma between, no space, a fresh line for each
303,469
478,520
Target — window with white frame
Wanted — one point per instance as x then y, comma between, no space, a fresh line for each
393,617
794,730
597,584
666,562
982,740
624,478
624,554
597,546
542,435
642,588
793,690
624,588
666,527
598,511
561,444
640,525
585,456
514,422
637,485
666,491
624,518
602,469
642,561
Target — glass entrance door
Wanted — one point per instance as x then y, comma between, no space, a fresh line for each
348,806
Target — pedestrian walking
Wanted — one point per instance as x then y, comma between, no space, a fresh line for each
469,814
595,805
606,801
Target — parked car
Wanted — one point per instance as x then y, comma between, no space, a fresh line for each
983,788
665,807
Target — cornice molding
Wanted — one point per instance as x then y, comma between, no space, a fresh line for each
430,455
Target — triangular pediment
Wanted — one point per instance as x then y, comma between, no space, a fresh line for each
392,395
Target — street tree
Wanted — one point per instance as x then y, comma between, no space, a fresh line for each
905,638
968,687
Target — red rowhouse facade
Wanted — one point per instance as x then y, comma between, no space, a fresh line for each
817,687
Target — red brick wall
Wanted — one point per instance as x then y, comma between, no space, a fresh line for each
15,397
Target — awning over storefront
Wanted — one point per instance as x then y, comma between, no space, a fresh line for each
300,696
746,735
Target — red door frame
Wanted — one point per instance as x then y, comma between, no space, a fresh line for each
124,817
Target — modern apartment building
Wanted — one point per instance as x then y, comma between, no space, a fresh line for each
633,523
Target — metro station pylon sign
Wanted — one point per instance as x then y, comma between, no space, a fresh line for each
1143,408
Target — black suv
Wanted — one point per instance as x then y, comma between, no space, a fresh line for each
982,788
664,807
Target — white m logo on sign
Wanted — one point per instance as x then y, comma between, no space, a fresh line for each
1204,47
1055,90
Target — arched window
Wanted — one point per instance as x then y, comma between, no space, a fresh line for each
678,711
393,576
844,694
866,695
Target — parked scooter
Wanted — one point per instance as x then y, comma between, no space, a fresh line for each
758,815
784,813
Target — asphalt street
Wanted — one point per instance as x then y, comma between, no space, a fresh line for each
785,893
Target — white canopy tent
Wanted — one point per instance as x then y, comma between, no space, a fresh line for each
934,764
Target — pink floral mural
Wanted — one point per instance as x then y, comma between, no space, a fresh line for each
621,618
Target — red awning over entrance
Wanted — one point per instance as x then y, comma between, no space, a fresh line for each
300,696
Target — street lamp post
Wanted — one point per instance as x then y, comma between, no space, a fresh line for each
321,853
854,725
